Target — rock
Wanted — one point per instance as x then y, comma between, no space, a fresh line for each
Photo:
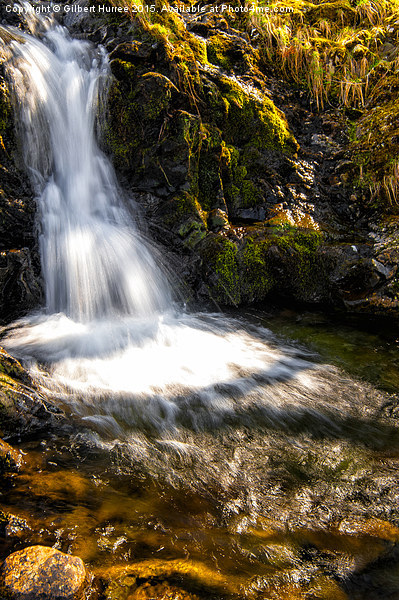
23,411
12,526
10,459
217,219
161,591
42,573
10,367
19,285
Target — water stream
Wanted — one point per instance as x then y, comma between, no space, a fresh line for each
222,442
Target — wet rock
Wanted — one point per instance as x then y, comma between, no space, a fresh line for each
23,410
10,367
42,573
20,288
12,526
217,219
10,459
160,591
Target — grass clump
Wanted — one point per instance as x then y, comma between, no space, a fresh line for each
337,50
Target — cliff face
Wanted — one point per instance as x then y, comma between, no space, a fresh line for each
251,163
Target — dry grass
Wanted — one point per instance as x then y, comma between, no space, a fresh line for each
336,48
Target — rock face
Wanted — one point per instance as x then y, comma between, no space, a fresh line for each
41,573
247,185
20,282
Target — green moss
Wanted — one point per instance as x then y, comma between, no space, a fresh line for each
253,119
240,191
120,130
302,263
256,279
218,49
220,269
11,369
184,215
250,194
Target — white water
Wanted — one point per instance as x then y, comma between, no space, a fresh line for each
108,344
94,262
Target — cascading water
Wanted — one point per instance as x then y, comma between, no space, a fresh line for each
94,262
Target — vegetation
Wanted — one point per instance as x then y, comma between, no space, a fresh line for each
337,49
345,52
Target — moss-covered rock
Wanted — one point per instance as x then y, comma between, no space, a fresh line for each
232,53
220,270
184,216
288,262
256,276
251,118
170,131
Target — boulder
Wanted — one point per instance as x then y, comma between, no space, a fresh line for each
42,573
10,459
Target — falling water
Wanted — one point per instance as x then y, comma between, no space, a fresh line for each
94,262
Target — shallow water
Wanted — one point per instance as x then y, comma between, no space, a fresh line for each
276,480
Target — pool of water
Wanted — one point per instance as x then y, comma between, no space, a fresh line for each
288,492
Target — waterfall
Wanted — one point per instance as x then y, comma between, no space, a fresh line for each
107,344
94,262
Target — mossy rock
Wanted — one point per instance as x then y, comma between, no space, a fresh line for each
220,269
283,262
184,216
231,53
300,268
257,279
11,368
251,118
138,104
